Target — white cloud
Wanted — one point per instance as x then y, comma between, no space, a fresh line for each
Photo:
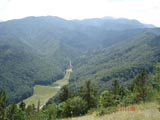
147,11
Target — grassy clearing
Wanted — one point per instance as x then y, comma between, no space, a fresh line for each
65,80
146,111
44,93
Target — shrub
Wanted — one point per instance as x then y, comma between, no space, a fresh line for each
73,107
106,99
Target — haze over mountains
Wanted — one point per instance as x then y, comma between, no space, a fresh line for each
37,50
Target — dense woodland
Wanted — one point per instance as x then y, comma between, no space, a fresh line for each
144,88
115,62
37,50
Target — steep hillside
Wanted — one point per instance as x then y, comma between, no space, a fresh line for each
21,68
29,56
121,61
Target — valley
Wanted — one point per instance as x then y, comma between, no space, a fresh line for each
116,62
36,51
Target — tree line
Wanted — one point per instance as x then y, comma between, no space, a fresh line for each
143,88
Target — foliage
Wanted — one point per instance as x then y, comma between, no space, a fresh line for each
115,87
86,100
139,86
36,50
22,106
50,112
13,113
3,102
147,111
89,93
106,99
122,61
73,107
64,94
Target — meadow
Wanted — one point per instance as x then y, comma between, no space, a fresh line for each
145,111
43,93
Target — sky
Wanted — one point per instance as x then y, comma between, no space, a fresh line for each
146,11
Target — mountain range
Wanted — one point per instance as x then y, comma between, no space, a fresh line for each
37,50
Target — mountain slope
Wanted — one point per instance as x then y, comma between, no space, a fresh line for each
28,58
37,50
121,61
21,68
109,23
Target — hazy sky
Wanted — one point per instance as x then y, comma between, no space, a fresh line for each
146,11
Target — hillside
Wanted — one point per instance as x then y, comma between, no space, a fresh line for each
28,59
146,111
21,68
37,50
121,61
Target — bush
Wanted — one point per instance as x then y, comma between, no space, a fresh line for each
50,112
73,107
106,99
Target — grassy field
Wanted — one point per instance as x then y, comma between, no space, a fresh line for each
146,111
65,80
44,93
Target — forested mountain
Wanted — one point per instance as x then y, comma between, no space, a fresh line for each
109,23
37,50
121,61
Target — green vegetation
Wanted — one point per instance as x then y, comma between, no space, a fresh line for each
121,62
147,111
65,80
114,65
42,93
36,51
86,101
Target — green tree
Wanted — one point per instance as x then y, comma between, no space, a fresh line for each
38,106
156,78
22,106
129,98
73,107
3,102
139,86
122,92
30,111
115,87
117,91
50,112
89,94
13,113
64,94
106,99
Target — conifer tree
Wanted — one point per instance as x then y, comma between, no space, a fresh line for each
38,106
139,86
89,94
22,106
11,111
115,87
64,95
3,102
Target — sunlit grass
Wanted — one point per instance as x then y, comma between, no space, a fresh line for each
146,111
65,80
44,93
